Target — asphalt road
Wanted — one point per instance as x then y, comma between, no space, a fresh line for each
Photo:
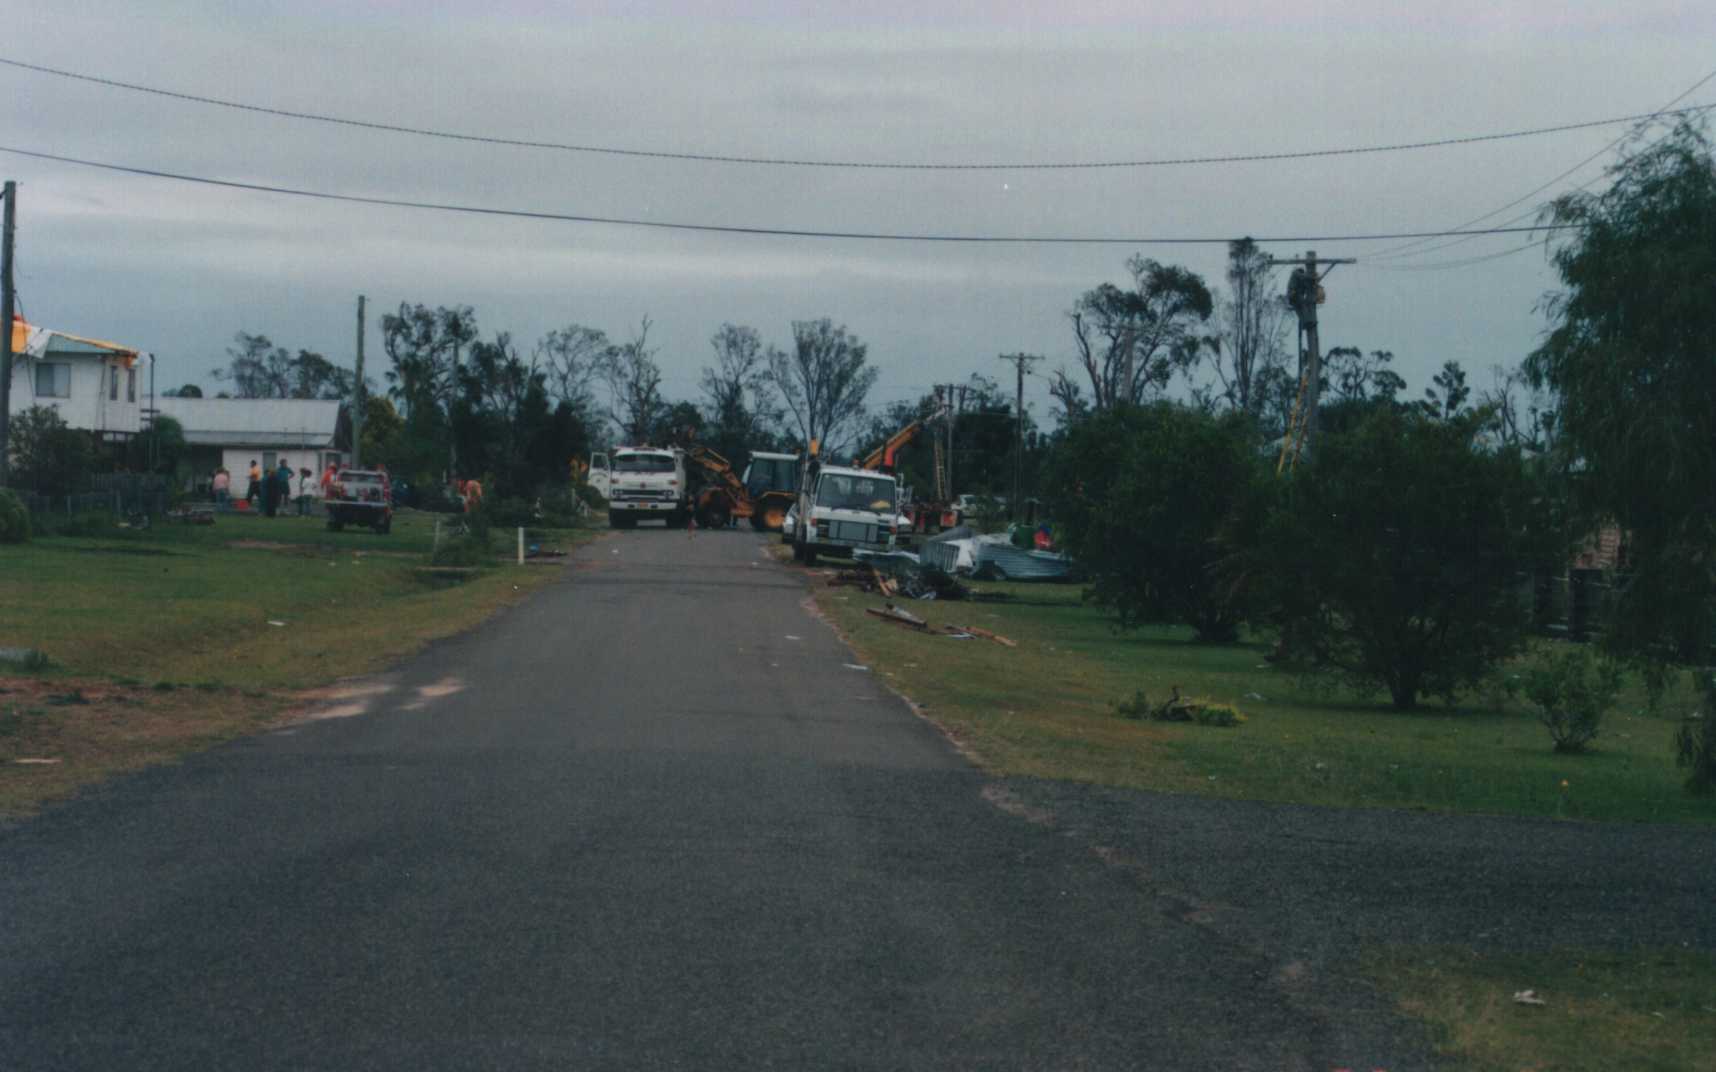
654,817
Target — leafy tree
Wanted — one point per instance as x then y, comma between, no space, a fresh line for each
570,358
382,429
1631,359
739,401
48,457
633,380
189,390
1142,493
824,381
1395,555
260,369
1131,342
423,345
1250,347
158,447
1446,398
1351,375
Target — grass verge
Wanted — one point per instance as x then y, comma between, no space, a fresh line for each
1046,709
176,638
1643,1011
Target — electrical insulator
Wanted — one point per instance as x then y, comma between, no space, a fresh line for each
1321,296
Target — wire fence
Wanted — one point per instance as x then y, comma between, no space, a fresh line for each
119,494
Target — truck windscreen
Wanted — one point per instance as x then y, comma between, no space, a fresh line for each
839,491
643,463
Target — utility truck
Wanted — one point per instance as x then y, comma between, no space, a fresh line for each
842,509
642,484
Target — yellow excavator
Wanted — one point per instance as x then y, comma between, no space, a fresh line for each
763,494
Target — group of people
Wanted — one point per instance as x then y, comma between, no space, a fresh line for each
272,488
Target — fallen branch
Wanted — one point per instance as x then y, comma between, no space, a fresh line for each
984,633
898,616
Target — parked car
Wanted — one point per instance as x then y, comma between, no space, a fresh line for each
360,497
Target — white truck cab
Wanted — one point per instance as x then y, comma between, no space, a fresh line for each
645,483
841,510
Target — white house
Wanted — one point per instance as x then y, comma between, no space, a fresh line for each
96,386
233,432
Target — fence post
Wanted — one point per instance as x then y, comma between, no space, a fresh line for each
521,545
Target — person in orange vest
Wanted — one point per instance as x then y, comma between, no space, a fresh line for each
255,488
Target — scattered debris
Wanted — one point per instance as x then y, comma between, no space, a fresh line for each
855,666
898,616
1528,997
35,761
975,631
275,621
1256,696
789,636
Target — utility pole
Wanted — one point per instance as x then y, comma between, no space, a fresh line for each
7,302
1304,294
358,400
455,326
1019,363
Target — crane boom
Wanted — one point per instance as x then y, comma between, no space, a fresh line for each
883,456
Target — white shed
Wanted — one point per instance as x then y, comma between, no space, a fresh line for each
233,432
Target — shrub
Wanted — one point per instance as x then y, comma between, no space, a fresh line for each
1395,556
1218,714
1144,492
14,519
1695,742
88,523
1176,709
594,499
1572,691
511,513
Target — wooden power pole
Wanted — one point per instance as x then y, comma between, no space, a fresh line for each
7,303
358,400
1304,294
1019,363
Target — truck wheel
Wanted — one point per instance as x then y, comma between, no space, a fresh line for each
715,517
807,553
619,521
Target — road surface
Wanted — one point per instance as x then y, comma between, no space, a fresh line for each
654,817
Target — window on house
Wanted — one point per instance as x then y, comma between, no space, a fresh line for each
130,385
113,384
268,462
53,379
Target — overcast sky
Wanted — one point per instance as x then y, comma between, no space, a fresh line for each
178,269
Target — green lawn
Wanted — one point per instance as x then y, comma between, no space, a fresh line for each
1649,1011
173,638
1045,709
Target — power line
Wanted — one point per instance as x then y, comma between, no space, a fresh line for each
1664,110
1461,262
786,232
881,165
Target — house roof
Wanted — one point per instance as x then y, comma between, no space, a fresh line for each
254,422
31,341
